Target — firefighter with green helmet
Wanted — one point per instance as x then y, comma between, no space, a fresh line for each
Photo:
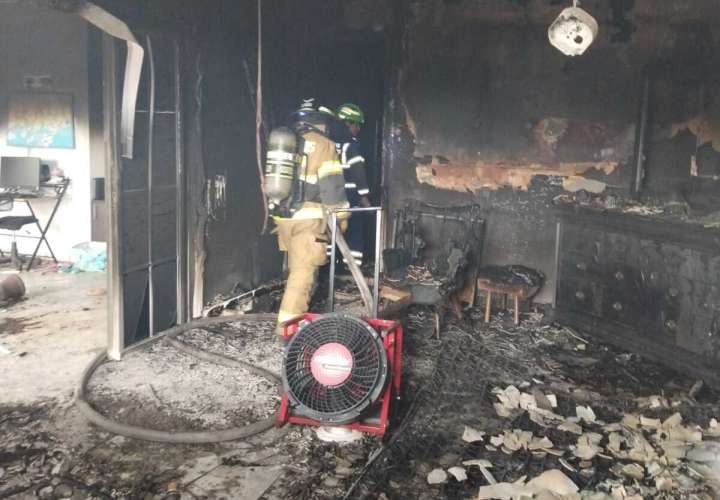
356,185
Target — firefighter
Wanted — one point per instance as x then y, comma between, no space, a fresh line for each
356,185
302,233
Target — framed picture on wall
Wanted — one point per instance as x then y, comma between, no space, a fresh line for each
41,120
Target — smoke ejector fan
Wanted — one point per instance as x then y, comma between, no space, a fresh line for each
341,370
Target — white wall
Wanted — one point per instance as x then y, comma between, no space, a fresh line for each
38,41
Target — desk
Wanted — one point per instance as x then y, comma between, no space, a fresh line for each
58,190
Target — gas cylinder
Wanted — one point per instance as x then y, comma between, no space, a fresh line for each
281,165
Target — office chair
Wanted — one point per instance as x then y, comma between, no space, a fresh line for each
13,223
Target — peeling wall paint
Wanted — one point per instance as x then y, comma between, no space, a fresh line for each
576,183
473,178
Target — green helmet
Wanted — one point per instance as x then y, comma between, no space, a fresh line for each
351,113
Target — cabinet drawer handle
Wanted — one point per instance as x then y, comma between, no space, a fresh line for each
580,295
619,276
670,325
581,266
618,306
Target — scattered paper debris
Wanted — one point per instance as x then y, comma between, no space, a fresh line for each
552,482
555,481
502,491
649,423
480,462
458,473
633,471
631,420
471,435
587,446
570,427
653,402
437,476
585,413
540,443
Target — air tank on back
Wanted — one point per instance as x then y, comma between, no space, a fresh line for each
280,166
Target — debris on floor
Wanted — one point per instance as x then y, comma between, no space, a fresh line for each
488,411
528,415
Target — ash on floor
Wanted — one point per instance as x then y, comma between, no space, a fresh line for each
467,423
458,402
162,385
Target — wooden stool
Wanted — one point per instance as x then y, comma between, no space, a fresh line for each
518,293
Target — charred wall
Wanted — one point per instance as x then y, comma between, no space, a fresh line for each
320,48
484,110
224,201
236,252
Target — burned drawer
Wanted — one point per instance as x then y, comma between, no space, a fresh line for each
650,255
672,314
712,267
705,335
622,248
621,308
581,296
624,277
684,262
589,242
579,266
707,299
664,325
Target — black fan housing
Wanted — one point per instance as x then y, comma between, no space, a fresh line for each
334,368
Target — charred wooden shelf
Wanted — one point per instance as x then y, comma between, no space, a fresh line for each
643,283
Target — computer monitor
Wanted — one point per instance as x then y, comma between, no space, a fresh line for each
20,172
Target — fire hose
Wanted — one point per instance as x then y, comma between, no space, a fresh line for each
180,437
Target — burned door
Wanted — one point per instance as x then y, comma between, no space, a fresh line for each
148,201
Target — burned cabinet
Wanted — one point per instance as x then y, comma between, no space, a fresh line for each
645,284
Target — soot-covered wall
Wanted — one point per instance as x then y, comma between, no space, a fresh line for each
236,251
224,203
483,110
317,48
333,51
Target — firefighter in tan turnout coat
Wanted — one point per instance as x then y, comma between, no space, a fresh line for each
319,186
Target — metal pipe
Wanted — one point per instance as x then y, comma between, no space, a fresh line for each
357,209
639,172
376,274
558,241
370,298
333,241
113,189
180,222
151,133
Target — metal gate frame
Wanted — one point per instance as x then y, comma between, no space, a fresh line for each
114,135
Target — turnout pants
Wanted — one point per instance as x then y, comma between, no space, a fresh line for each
304,240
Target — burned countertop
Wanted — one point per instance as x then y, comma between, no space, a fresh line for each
654,222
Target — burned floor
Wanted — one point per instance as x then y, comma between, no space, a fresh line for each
485,404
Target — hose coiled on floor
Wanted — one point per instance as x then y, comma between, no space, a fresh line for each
184,437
